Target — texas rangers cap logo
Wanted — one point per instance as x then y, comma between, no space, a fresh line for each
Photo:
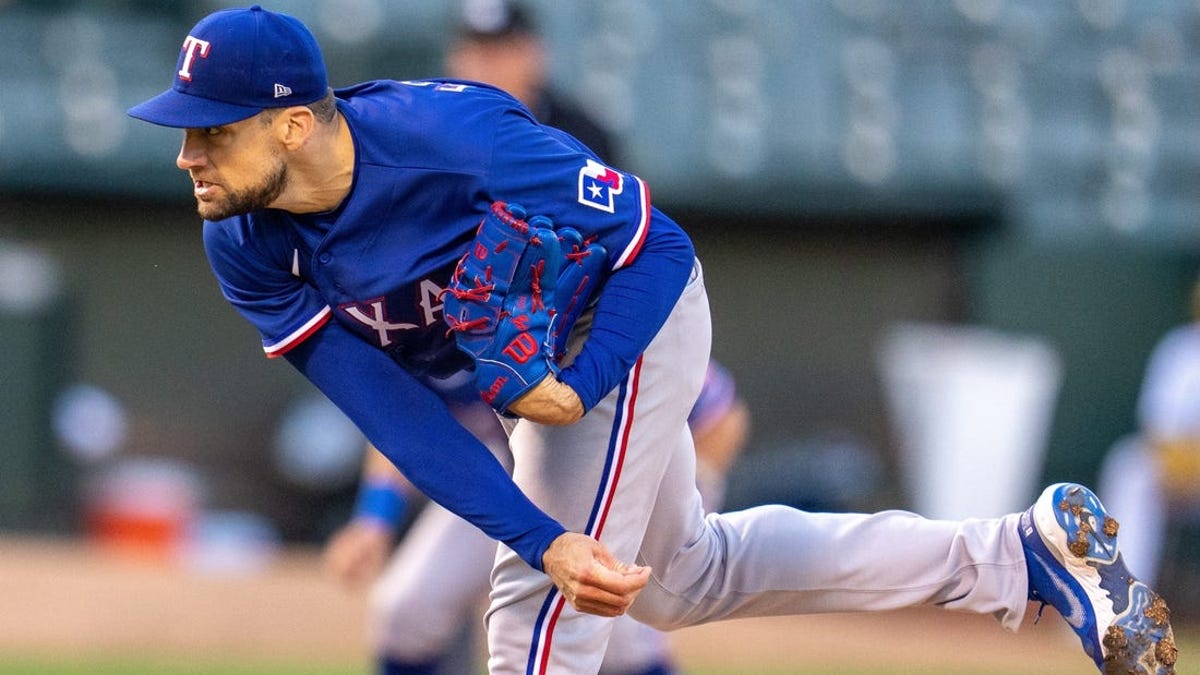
598,185
234,64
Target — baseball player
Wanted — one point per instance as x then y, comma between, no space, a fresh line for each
335,220
1154,474
437,577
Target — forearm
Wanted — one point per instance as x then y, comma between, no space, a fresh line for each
383,492
632,306
550,402
416,432
377,468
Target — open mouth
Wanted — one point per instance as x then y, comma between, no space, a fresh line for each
202,188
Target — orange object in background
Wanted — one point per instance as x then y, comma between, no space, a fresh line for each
143,508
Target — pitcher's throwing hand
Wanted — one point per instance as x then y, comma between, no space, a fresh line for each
590,578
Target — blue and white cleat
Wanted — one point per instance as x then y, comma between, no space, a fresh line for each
1075,566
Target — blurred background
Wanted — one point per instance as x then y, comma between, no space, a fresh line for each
941,238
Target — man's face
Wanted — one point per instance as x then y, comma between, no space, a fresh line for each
236,168
515,64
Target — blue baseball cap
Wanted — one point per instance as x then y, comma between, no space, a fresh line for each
236,63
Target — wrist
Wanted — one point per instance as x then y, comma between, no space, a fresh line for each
568,402
575,381
380,502
551,402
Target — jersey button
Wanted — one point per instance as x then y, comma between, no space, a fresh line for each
325,258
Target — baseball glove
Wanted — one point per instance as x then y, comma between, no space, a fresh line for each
496,303
581,271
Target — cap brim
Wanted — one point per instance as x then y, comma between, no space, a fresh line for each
176,109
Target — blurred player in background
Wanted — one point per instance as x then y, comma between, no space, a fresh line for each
438,577
1155,471
498,42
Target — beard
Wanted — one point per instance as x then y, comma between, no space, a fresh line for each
253,198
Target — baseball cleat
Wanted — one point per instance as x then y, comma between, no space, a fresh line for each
1075,566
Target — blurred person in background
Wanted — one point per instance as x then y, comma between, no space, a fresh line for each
1155,472
497,42
438,578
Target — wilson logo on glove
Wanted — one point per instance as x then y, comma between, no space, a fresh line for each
495,306
502,302
522,348
489,395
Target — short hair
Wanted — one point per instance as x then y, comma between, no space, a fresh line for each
324,108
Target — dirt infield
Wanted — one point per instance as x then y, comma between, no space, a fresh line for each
64,597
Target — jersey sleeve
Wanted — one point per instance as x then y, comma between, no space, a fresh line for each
650,257
415,430
258,276
550,173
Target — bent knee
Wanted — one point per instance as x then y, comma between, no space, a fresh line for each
656,616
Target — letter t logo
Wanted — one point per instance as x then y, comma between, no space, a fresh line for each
191,47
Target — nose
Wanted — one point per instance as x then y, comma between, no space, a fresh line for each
190,154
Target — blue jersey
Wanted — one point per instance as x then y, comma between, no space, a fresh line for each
427,170
430,158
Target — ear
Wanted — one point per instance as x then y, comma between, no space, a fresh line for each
294,126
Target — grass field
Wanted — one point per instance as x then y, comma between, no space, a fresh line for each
135,665
67,609
1021,660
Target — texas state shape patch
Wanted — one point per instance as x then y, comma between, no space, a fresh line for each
599,185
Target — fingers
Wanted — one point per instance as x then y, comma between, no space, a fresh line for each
620,577
610,592
590,578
